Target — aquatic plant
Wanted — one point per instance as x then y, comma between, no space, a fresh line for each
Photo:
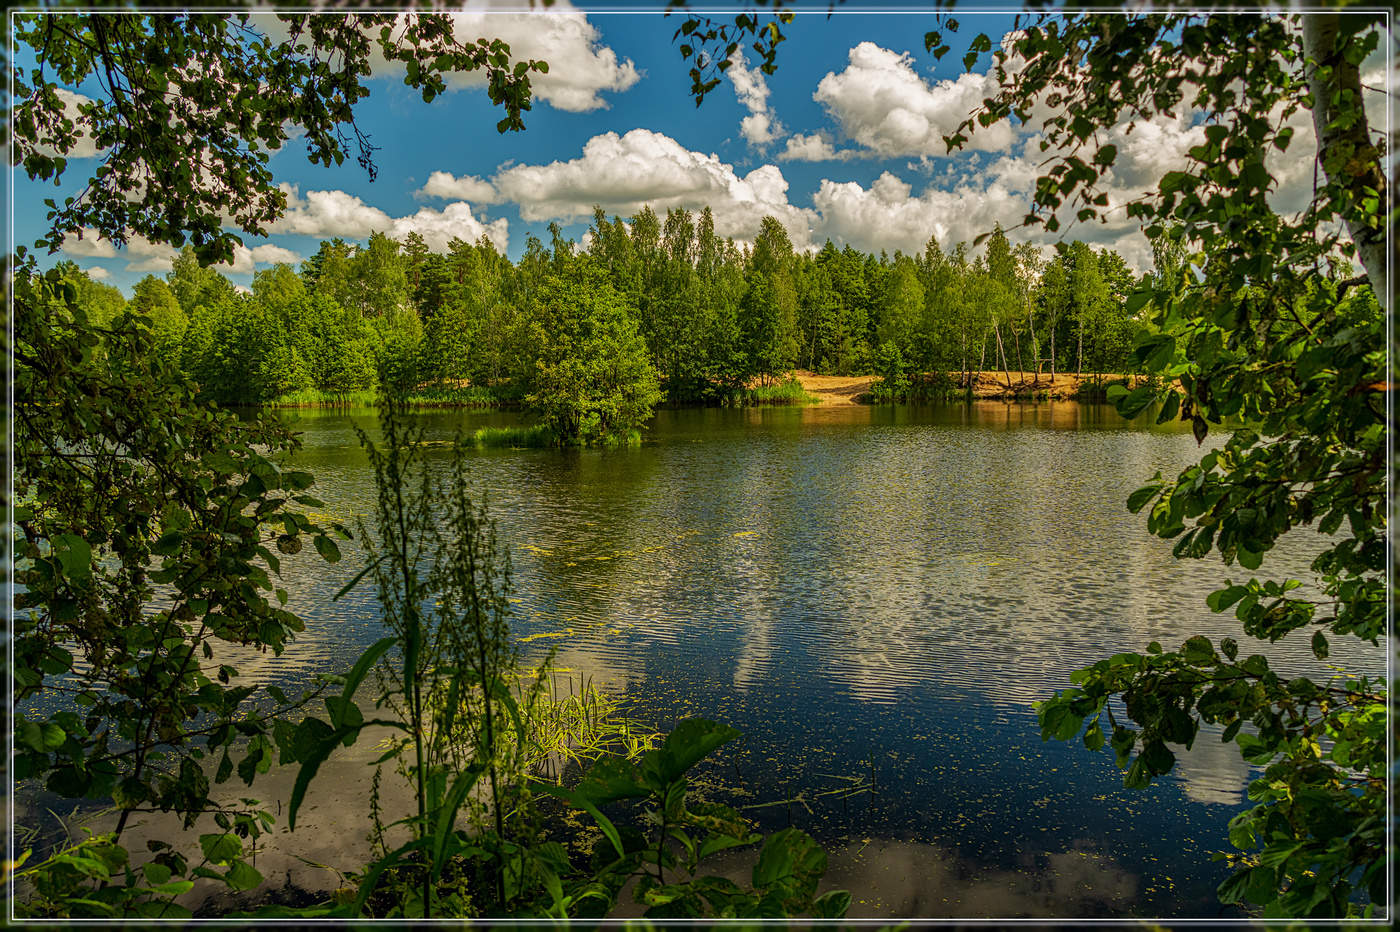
475,738
513,437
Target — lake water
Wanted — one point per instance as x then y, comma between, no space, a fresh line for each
863,591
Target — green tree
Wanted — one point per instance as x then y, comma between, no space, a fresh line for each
1271,329
378,279
186,148
152,299
901,308
146,527
253,358
327,272
594,381
768,313
1001,291
195,285
336,345
819,309
102,303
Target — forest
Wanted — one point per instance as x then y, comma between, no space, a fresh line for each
147,523
697,318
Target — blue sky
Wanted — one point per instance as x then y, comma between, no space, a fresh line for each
843,142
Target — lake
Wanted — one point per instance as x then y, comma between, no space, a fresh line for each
863,591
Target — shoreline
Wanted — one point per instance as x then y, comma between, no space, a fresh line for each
986,385
825,390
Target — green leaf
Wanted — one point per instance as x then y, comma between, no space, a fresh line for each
371,878
687,743
221,848
364,664
1248,558
446,817
721,842
358,576
1221,599
1198,651
243,876
326,548
787,853
156,872
310,763
1093,738
1319,645
172,888
1132,404
74,555
831,905
1142,496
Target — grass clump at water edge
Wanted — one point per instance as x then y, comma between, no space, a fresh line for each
513,437
787,392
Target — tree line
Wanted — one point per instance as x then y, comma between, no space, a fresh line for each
694,317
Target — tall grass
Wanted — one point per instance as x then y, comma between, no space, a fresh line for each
787,392
424,396
316,398
513,437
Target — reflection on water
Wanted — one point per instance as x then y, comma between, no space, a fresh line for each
864,590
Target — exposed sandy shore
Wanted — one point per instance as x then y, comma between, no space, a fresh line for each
852,389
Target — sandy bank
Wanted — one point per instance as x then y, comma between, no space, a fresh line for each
855,389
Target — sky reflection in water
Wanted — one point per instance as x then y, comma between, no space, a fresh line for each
864,591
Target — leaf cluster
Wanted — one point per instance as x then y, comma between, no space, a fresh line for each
150,529
189,108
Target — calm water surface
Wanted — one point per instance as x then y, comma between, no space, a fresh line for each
863,591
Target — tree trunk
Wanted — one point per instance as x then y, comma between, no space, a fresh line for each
1052,354
1020,362
1035,347
1001,350
1345,152
967,376
1079,355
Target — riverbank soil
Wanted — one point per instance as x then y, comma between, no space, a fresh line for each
855,389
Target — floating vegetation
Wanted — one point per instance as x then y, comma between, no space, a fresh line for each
546,634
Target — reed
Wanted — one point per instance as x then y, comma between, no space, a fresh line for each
787,392
513,437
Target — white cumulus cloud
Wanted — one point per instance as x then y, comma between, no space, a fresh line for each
448,187
760,127
813,147
147,256
581,67
440,227
884,105
623,173
246,259
97,273
326,214
90,245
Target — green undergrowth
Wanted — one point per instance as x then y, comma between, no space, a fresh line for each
425,396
